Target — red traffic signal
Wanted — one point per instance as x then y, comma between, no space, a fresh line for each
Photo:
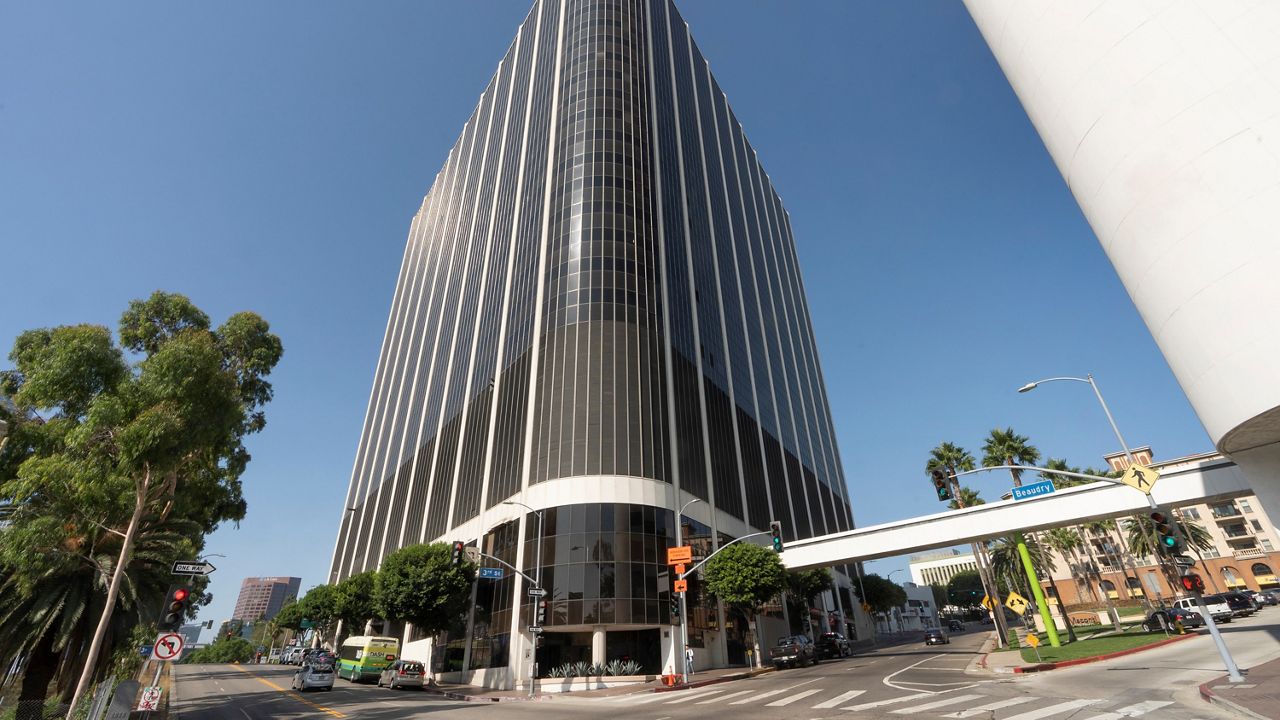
175,608
180,594
1192,582
458,547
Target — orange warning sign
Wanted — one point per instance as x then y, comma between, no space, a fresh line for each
677,555
680,585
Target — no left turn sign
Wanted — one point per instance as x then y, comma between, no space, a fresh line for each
168,646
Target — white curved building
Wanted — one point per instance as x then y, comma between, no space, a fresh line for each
1164,119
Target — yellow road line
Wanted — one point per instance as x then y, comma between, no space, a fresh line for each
290,693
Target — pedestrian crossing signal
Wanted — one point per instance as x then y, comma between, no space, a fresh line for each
1192,582
941,484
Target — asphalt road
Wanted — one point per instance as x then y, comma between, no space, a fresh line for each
892,682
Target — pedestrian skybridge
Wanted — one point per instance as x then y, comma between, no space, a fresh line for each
1205,478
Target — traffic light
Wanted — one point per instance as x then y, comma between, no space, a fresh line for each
675,609
540,617
1167,535
775,529
175,608
941,483
457,553
1192,582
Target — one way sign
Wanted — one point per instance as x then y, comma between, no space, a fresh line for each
192,567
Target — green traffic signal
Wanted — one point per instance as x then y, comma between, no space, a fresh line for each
775,529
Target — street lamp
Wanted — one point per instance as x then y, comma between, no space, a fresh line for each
1088,379
537,583
684,612
1233,672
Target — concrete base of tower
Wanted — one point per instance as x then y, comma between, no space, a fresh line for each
1261,465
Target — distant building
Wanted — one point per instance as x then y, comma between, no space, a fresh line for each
262,597
937,568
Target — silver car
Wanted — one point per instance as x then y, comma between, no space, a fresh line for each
313,676
402,674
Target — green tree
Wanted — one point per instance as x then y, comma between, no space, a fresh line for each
805,585
940,598
420,584
745,577
965,589
882,595
320,606
222,650
966,497
145,443
354,601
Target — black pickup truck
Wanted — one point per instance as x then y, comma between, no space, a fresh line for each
797,650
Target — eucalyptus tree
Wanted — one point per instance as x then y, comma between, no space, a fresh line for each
132,444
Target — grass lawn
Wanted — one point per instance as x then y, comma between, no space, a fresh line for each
1090,648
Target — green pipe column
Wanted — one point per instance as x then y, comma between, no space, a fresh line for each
1049,627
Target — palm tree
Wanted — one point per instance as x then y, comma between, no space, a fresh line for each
954,459
1065,541
1005,447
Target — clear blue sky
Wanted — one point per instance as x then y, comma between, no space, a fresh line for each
269,156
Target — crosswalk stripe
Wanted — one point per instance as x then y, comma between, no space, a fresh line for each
890,701
653,697
793,698
695,696
838,699
1055,709
1135,710
726,697
950,700
759,696
990,706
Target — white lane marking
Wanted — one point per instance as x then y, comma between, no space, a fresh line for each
771,693
790,699
1134,710
952,700
838,699
891,701
654,698
888,679
726,697
695,696
1055,709
991,706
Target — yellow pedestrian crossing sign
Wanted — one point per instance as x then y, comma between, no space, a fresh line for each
988,603
1140,477
1016,603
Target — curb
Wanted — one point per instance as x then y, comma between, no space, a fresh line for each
449,694
1098,658
1214,698
716,680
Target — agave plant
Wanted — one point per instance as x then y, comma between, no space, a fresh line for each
621,667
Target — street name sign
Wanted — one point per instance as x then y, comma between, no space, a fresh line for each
168,646
192,567
1140,477
491,573
679,555
1044,487
1184,561
537,592
535,629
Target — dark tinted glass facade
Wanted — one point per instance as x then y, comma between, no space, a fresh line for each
599,293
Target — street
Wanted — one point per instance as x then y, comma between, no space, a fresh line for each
891,682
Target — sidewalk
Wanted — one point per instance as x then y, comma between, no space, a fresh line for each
1257,697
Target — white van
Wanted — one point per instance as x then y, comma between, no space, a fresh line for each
1216,604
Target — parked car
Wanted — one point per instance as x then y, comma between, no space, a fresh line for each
936,636
1260,600
292,654
793,650
833,645
1241,605
402,674
1274,594
314,675
955,626
1217,605
1165,618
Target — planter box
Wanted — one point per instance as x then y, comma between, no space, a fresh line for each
591,682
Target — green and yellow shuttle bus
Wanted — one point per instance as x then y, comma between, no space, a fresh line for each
364,657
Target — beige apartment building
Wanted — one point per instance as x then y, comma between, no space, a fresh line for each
1243,554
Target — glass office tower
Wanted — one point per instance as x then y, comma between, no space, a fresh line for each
599,315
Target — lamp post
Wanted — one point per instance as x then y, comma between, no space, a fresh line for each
684,613
537,583
1233,672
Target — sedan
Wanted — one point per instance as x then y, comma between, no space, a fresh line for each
402,674
936,636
